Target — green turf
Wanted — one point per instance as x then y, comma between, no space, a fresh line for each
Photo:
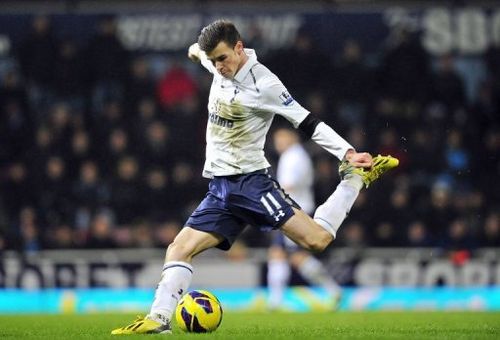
269,326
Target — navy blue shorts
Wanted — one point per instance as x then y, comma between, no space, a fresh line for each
233,202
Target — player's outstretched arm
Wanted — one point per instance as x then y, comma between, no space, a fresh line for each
332,142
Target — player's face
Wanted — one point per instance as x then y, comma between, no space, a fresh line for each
227,60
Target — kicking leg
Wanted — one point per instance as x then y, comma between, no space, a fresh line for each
316,234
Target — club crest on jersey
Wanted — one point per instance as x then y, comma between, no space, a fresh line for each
286,98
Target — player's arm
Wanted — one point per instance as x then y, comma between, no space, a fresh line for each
328,139
198,56
277,99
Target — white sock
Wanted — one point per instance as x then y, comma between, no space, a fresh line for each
315,273
175,280
278,274
333,212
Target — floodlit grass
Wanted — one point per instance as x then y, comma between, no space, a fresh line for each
340,325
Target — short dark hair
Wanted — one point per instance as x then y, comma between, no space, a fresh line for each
219,30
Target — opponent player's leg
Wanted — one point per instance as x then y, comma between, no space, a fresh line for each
175,280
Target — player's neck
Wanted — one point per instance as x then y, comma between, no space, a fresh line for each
244,59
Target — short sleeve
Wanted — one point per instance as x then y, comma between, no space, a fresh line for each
277,99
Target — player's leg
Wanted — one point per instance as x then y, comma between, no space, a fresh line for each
278,271
210,225
177,270
175,280
302,229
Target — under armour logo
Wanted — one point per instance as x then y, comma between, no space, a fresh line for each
278,215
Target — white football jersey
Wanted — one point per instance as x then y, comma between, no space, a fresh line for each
240,113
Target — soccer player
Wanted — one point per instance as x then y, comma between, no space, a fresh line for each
295,173
244,97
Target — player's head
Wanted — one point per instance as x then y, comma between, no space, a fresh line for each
222,44
284,138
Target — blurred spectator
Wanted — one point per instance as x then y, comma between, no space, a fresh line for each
61,126
352,87
176,87
156,148
492,56
459,236
101,232
17,188
317,103
398,212
27,231
456,156
422,149
439,213
157,201
80,151
352,235
485,110
53,192
325,174
60,237
126,191
15,129
490,232
447,86
418,235
142,235
117,147
488,164
139,85
37,57
89,191
311,67
404,56
166,232
69,75
13,90
384,235
107,62
357,137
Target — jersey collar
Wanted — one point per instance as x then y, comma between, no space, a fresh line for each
252,60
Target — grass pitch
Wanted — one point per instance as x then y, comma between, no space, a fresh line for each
270,326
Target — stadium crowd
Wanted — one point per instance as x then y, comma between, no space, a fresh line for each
100,148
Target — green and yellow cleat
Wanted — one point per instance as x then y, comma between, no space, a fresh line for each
381,164
143,325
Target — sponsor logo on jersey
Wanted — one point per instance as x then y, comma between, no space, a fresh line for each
286,98
218,120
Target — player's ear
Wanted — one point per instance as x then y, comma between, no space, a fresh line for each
238,47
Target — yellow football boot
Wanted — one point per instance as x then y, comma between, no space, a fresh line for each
381,164
143,325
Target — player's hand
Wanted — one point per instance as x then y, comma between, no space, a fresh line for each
194,52
359,159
